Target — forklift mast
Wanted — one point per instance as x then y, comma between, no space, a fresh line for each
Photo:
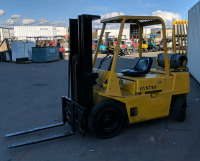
81,78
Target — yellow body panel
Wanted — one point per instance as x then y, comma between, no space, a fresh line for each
110,86
181,83
150,94
149,106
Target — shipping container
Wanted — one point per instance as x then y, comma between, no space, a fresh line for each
23,32
193,39
11,32
21,49
147,30
61,31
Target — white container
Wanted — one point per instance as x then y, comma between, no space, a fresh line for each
29,45
11,32
23,32
21,49
60,31
18,50
147,30
193,39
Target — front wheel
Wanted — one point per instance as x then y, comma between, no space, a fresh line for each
106,119
129,52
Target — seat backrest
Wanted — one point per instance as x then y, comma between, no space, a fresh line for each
142,67
143,64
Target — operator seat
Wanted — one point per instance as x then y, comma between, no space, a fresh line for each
142,67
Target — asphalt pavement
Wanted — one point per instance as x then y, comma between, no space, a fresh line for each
30,96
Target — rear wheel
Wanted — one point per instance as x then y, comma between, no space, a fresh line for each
154,49
106,119
179,108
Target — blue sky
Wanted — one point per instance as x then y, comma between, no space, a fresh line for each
62,10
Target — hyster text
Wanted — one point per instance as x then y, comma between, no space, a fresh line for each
148,88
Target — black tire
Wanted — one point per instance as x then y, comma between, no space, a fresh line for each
157,48
179,108
106,119
154,49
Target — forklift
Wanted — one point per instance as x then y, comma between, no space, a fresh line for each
123,45
151,43
110,44
144,45
102,100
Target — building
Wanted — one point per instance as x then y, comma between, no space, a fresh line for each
115,32
28,32
169,33
193,39
131,30
134,31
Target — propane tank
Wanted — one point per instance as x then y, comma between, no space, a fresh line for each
176,60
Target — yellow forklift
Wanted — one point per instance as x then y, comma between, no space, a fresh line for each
144,45
102,100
